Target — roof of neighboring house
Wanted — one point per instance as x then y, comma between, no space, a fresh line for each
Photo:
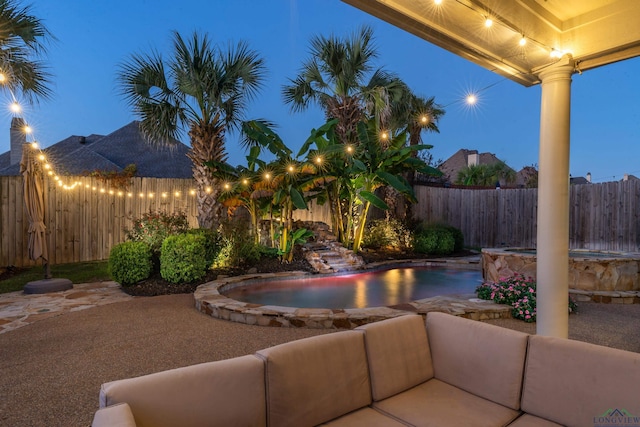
578,180
78,155
460,160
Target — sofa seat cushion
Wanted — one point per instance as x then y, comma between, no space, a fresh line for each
314,380
398,355
575,383
223,393
439,404
528,420
485,360
365,417
114,416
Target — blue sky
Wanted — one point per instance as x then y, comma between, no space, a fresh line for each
93,38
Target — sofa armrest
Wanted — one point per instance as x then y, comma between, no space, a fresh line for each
217,394
119,415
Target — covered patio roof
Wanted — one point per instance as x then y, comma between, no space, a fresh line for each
532,42
594,32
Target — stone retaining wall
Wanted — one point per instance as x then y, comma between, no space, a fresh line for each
614,273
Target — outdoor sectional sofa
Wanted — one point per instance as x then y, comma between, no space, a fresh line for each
454,372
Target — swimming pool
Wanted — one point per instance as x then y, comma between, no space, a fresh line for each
370,289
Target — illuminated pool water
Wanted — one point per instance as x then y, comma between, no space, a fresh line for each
370,289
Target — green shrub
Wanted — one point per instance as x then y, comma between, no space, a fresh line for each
153,227
458,237
183,258
433,241
390,234
130,262
213,243
237,246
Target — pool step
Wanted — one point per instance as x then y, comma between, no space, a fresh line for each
331,257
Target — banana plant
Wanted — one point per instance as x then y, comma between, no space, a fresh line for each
284,182
381,161
333,161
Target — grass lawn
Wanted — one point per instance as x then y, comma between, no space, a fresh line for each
80,272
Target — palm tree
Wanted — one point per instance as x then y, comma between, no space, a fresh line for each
335,78
202,89
23,39
486,175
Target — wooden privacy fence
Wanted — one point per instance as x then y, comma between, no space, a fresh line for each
602,216
85,222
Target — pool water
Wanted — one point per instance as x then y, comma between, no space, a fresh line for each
371,289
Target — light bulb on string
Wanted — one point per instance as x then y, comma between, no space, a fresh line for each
15,107
471,99
488,22
523,41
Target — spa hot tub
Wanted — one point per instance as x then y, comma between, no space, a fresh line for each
588,270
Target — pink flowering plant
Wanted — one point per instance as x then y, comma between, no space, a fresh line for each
517,291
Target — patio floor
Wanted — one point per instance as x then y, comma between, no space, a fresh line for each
52,369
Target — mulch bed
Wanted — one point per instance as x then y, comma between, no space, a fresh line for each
156,285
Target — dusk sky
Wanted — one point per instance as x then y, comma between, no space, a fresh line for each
93,38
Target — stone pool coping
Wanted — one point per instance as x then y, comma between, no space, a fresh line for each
210,301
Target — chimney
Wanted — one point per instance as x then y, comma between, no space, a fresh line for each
17,138
626,177
588,176
473,159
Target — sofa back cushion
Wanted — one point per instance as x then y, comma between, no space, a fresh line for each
579,384
398,355
223,393
483,359
313,380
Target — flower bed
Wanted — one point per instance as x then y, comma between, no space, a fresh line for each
519,292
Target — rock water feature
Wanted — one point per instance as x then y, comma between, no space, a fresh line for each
593,275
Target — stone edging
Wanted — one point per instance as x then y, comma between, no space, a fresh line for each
210,301
606,297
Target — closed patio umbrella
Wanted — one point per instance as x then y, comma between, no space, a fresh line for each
33,189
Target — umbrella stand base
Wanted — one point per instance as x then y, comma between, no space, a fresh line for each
47,285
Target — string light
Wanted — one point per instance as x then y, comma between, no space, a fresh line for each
490,21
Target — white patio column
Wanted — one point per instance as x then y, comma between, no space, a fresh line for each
553,200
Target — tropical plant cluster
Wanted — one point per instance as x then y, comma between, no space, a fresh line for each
371,138
519,292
